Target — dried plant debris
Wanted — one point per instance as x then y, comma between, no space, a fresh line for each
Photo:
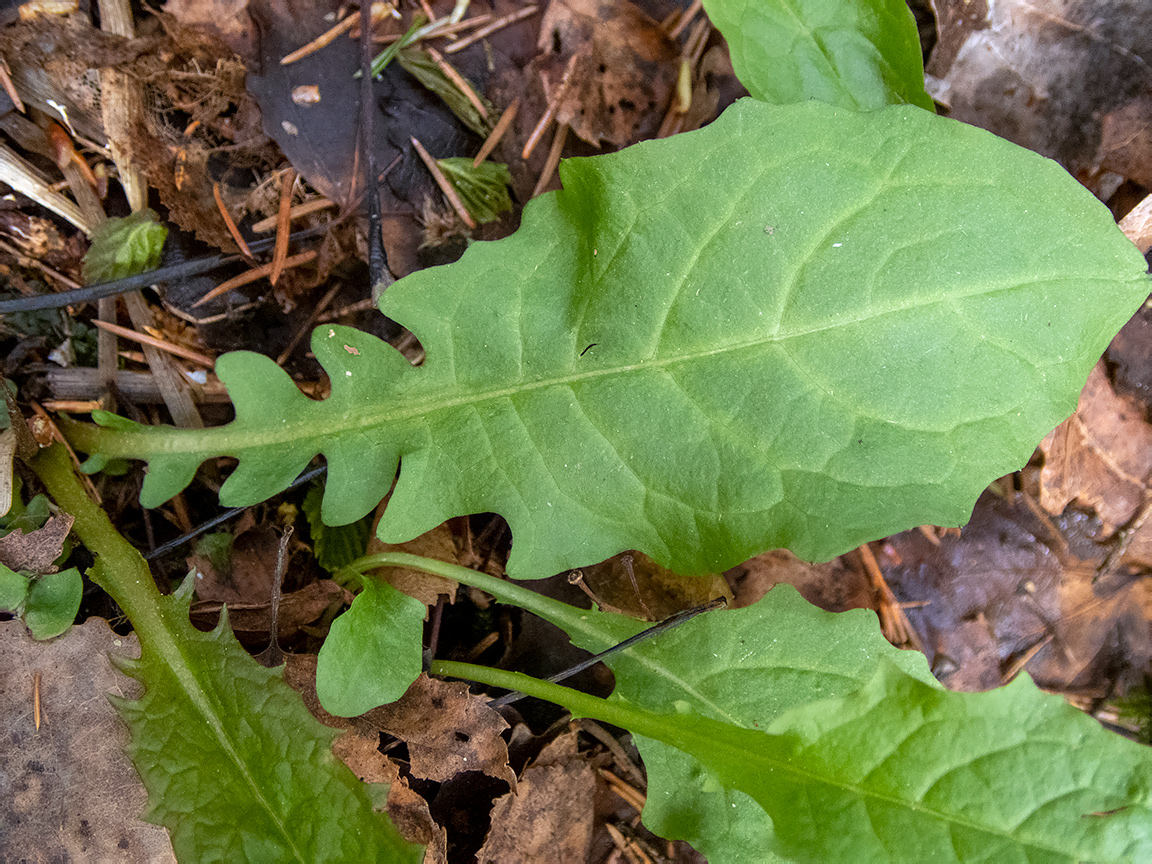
1019,591
70,792
550,815
1043,73
1100,457
319,137
619,66
37,550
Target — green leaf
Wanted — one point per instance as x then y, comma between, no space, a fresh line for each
852,323
52,603
373,651
901,770
334,546
125,247
13,589
483,188
860,54
236,767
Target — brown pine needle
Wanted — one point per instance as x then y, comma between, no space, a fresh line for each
252,275
9,87
502,126
894,623
324,38
550,112
685,19
229,222
553,160
298,211
163,345
447,188
503,21
283,224
36,696
461,84
380,11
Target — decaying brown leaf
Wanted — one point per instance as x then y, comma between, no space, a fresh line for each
1100,457
36,551
69,791
1041,73
633,584
625,69
1017,590
448,730
549,817
439,544
833,586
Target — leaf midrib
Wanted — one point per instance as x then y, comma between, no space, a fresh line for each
219,439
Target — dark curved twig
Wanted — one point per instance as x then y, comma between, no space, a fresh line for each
169,273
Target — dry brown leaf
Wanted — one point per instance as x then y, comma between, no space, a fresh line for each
448,730
625,69
633,584
69,791
439,544
249,621
1041,73
549,817
36,550
1013,581
1100,457
833,586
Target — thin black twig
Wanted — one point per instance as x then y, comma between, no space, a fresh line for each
665,625
165,548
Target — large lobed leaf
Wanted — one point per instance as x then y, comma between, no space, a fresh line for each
860,54
800,326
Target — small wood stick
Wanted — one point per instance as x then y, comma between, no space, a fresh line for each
553,160
447,188
550,112
163,345
503,21
252,275
502,126
283,222
456,78
427,10
685,19
229,222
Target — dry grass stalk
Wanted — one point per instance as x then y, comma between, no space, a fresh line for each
685,19
552,161
298,211
229,222
461,84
